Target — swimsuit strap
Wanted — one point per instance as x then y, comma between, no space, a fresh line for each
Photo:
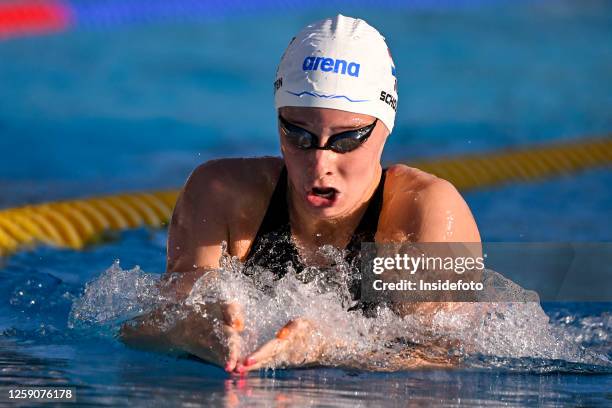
272,247
366,230
277,214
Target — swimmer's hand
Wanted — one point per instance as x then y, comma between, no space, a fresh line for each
212,333
298,343
216,338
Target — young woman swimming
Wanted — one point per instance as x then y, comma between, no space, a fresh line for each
336,99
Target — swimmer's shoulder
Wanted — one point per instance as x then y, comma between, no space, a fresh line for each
222,200
237,191
411,180
234,181
414,199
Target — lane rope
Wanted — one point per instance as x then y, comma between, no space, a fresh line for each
77,223
476,170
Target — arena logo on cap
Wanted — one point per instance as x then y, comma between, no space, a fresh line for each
337,66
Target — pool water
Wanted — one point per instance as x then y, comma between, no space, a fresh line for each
133,107
41,343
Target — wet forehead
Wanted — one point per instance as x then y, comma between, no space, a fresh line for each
324,118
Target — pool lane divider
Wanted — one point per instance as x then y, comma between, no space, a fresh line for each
77,223
479,170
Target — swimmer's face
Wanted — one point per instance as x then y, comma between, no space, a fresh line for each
324,183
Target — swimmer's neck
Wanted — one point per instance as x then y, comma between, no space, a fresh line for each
312,231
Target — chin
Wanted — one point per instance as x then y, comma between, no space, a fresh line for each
325,213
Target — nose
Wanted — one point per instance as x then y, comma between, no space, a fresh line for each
323,163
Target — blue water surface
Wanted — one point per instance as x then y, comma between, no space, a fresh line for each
37,347
138,106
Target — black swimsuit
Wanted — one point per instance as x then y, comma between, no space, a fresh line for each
274,250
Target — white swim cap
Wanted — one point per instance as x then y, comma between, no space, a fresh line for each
339,63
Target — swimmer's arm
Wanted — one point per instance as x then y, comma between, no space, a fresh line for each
302,342
154,330
210,331
441,215
145,332
199,223
197,229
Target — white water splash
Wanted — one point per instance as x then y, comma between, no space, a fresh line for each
114,296
387,341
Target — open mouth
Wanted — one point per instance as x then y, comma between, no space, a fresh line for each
322,196
325,192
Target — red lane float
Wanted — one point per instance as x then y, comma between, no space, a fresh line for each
33,17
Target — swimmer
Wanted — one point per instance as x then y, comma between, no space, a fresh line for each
336,99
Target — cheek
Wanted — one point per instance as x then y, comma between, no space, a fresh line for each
361,167
363,161
296,163
358,173
291,155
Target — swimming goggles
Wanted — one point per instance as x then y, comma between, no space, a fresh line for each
340,143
